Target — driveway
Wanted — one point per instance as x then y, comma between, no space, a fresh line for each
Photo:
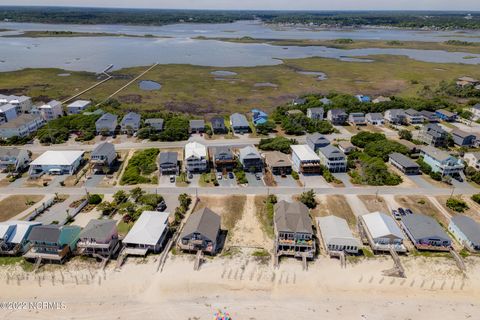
164,181
58,212
344,177
419,181
252,181
287,181
94,180
314,181
195,179
226,182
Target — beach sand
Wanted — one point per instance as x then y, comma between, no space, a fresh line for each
248,289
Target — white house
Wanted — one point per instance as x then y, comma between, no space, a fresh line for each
14,236
22,103
78,106
8,112
441,161
475,110
472,159
336,235
466,231
196,159
21,126
51,110
382,232
147,234
56,162
374,118
304,159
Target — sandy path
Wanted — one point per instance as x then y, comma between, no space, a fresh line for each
357,205
440,208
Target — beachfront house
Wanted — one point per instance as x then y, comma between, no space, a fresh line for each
52,243
374,118
218,125
333,159
441,161
315,113
475,110
201,232
99,237
463,139
223,159
472,159
14,236
434,135
446,115
357,119
22,126
395,116
466,231
130,123
382,232
337,236
196,157
155,124
337,116
425,232
316,141
196,126
148,234
106,124
168,163
13,160
56,162
51,110
404,163
305,160
278,163
239,123
293,230
413,116
250,159
78,106
103,157
259,117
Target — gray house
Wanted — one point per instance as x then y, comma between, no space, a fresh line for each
155,124
357,119
106,124
463,139
434,135
315,113
13,159
337,236
429,116
197,126
293,230
337,116
404,163
218,125
99,237
396,116
224,159
103,155
239,123
316,141
201,232
413,116
251,159
332,158
425,233
374,118
130,123
168,163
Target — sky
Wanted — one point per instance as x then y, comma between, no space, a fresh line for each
473,5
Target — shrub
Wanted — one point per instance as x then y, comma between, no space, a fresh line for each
94,199
308,199
405,134
295,175
476,198
363,138
384,148
436,176
142,164
240,176
281,144
424,167
457,205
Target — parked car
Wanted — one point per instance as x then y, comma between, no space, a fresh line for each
401,211
219,176
396,215
257,176
162,206
231,176
190,175
172,178
408,211
459,178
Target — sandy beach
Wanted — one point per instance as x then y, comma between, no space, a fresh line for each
248,289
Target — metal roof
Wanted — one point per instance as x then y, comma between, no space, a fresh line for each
197,124
304,152
20,121
107,120
21,230
103,149
249,152
57,157
469,227
292,217
195,149
131,118
335,230
49,233
148,229
381,225
79,104
204,221
421,226
239,120
374,116
317,138
403,160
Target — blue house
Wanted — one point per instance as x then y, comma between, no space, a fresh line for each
446,115
259,117
362,98
14,236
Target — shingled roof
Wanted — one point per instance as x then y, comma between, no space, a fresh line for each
292,217
204,221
